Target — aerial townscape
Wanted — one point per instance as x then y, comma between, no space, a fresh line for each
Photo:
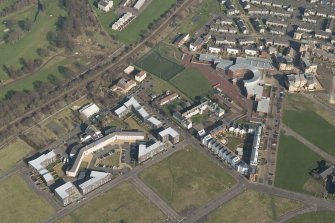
179,111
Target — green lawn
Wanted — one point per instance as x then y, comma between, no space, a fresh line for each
169,51
120,204
192,83
26,83
140,24
305,119
253,205
187,179
26,47
294,162
314,217
160,66
12,154
18,202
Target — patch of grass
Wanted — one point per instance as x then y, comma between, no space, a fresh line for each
112,160
187,179
159,86
139,25
169,51
133,124
233,142
253,205
192,83
58,168
294,162
160,66
12,154
200,118
202,13
26,47
18,203
314,217
120,204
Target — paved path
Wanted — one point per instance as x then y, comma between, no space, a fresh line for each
171,214
307,143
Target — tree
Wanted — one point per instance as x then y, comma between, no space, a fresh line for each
25,25
54,80
42,52
12,37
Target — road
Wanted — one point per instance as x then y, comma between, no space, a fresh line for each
307,143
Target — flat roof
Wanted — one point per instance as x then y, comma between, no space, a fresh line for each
101,142
263,105
36,163
169,131
154,121
48,177
132,102
143,113
143,149
120,110
255,146
95,177
62,191
89,110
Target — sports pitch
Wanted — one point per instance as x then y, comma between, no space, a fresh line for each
158,65
187,179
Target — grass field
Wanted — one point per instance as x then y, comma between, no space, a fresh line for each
253,206
192,83
169,51
314,217
200,16
12,154
187,179
294,162
310,121
121,204
140,24
18,203
160,66
26,47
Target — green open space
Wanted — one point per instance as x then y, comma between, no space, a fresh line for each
294,163
26,47
133,124
169,51
120,204
13,153
160,66
200,15
192,83
314,217
139,25
253,206
310,121
6,3
19,203
187,179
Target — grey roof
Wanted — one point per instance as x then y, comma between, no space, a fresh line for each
224,64
95,177
62,191
169,131
263,105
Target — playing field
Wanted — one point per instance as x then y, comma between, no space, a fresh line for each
139,25
310,121
192,83
18,203
160,66
12,154
187,179
121,204
314,217
253,207
294,162
169,51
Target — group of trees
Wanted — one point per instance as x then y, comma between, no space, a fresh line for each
13,34
15,6
27,66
